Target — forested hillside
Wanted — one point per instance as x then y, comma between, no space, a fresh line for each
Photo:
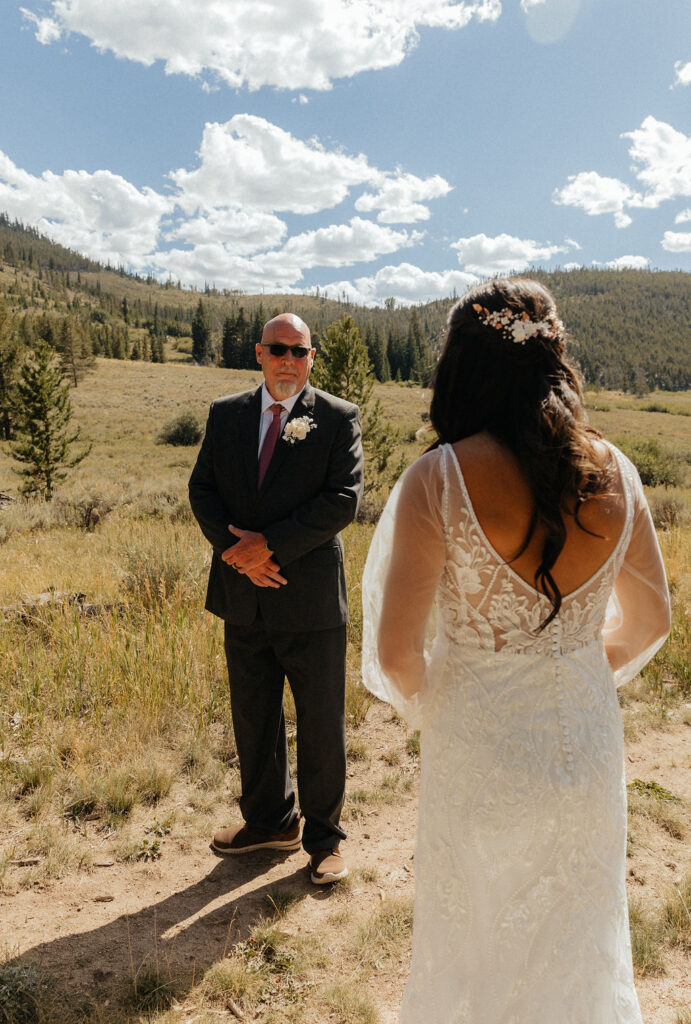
631,329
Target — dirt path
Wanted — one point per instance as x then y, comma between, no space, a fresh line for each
189,908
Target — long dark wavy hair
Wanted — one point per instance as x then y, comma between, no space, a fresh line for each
529,397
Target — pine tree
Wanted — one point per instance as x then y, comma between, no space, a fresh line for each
419,354
397,351
256,330
247,357
43,424
343,369
377,353
75,349
157,339
118,347
11,347
233,342
201,336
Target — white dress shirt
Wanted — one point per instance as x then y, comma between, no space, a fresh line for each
267,415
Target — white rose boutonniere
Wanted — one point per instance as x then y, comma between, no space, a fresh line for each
298,429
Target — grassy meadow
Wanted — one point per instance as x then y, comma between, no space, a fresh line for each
114,714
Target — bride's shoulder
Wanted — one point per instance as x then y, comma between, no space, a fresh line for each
618,467
482,452
425,474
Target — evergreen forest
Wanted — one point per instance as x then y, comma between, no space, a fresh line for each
630,329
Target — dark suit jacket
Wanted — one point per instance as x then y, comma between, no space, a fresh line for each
311,490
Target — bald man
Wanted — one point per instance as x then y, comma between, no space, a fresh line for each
278,476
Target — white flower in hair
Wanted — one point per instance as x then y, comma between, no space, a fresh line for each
298,429
517,327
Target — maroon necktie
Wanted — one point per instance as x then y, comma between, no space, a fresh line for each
269,442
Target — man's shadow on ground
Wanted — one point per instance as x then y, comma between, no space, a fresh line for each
101,963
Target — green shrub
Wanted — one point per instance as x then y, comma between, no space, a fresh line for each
184,429
657,465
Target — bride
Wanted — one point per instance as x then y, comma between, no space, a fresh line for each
533,536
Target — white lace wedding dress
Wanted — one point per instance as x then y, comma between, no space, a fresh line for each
520,907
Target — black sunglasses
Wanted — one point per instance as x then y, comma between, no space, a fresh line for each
276,348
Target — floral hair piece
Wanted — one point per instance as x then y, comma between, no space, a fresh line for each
517,327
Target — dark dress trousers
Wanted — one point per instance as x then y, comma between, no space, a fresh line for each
311,490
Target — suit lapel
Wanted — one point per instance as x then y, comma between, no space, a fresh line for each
303,407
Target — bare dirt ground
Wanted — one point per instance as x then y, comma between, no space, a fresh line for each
93,930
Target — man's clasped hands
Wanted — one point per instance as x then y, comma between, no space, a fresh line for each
252,557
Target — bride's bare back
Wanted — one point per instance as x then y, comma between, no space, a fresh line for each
503,504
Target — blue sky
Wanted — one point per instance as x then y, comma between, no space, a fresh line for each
373,147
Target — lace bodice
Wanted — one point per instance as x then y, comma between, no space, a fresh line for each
482,602
429,547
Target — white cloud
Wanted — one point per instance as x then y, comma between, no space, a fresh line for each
406,283
527,4
240,232
290,44
281,270
99,214
683,217
341,245
628,262
664,158
249,160
573,266
661,162
677,241
219,223
398,198
213,262
47,30
502,254
683,73
596,194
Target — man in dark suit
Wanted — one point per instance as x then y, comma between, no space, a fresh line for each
279,474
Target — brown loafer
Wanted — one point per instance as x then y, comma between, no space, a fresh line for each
327,866
243,839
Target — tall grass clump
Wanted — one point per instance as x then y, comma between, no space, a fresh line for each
386,931
162,566
23,993
356,539
349,1004
673,659
670,507
676,915
233,978
153,988
646,940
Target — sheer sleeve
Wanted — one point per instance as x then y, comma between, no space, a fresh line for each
404,564
638,614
